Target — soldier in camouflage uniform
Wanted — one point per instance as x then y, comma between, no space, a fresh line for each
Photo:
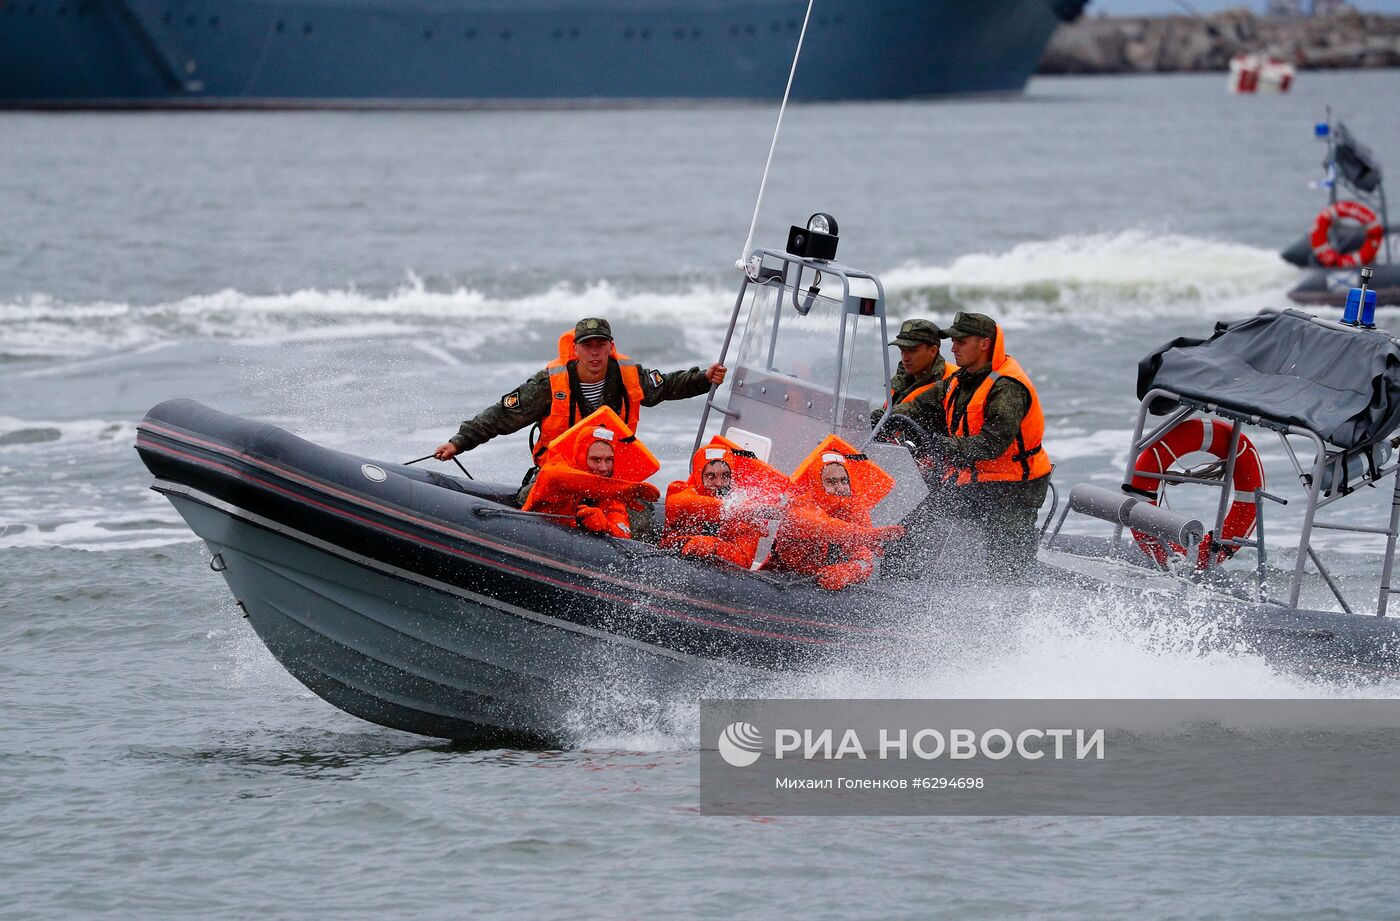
921,365
996,473
531,403
920,361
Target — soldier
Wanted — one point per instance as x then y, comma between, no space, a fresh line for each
921,365
987,425
588,374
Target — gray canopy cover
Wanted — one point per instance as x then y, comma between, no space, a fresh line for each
1357,164
1343,384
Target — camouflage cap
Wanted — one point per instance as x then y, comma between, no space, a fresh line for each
971,324
917,332
592,328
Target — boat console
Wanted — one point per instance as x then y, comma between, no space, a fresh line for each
1314,384
811,360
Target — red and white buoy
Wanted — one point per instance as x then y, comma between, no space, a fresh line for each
1260,73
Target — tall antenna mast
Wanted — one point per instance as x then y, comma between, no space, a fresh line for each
763,185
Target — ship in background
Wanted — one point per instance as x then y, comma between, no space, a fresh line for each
426,53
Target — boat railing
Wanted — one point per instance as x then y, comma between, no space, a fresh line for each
781,403
786,394
1374,198
1326,480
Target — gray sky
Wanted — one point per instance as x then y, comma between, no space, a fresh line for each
1154,7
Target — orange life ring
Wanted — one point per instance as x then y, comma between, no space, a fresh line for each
1351,210
1213,437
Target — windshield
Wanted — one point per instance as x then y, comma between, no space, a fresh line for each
806,368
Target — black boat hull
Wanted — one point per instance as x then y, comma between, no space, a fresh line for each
430,658
417,604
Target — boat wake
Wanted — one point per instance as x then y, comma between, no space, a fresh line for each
1069,645
1129,273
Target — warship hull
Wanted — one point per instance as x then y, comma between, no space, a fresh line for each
460,53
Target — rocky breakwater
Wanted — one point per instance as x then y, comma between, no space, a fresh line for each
1171,44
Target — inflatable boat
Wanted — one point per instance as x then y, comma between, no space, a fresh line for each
430,603
1351,231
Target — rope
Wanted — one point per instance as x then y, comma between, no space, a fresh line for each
484,512
417,460
763,185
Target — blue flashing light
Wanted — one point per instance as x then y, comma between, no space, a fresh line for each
1357,314
1321,130
1352,315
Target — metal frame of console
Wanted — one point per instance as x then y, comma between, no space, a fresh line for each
1311,478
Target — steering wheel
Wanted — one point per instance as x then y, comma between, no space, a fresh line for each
900,429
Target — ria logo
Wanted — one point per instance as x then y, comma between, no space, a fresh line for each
740,744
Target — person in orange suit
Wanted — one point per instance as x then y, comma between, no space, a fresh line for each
828,532
594,473
723,510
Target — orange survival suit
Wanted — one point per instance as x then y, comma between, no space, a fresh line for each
705,524
830,536
567,488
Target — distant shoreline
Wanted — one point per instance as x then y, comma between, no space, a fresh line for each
1185,44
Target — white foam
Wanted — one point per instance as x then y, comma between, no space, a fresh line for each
1082,645
1131,271
311,313
89,534
1100,272
1073,644
1108,445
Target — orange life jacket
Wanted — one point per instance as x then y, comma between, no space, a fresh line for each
562,410
704,524
949,369
565,483
819,526
1024,458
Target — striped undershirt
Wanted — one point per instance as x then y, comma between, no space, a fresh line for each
593,393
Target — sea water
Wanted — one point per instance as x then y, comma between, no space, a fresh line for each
367,280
